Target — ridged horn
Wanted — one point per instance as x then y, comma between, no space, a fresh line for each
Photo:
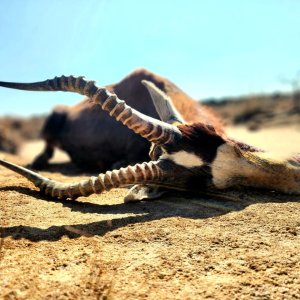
153,130
163,104
145,173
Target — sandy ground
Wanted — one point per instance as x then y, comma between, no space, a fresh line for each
182,247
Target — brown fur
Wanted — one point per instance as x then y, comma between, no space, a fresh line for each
95,140
200,139
193,156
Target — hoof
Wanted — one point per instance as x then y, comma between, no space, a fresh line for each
144,192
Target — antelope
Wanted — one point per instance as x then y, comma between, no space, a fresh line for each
84,130
184,156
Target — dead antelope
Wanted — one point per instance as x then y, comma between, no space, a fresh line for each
184,156
85,131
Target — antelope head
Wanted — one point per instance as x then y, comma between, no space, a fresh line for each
191,157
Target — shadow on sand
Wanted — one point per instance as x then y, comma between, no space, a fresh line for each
198,206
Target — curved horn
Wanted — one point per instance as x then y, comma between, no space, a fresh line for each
146,173
153,130
163,104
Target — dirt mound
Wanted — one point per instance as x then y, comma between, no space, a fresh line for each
15,130
258,111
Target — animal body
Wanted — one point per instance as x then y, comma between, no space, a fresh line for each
191,156
86,132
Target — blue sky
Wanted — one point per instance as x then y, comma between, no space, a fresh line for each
208,48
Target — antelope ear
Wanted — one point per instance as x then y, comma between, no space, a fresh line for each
163,104
144,192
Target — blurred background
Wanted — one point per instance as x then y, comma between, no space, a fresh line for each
239,57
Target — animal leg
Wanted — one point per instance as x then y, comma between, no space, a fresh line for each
41,161
144,192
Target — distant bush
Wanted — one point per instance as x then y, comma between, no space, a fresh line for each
14,131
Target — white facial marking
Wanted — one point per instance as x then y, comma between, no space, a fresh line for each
183,158
225,165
